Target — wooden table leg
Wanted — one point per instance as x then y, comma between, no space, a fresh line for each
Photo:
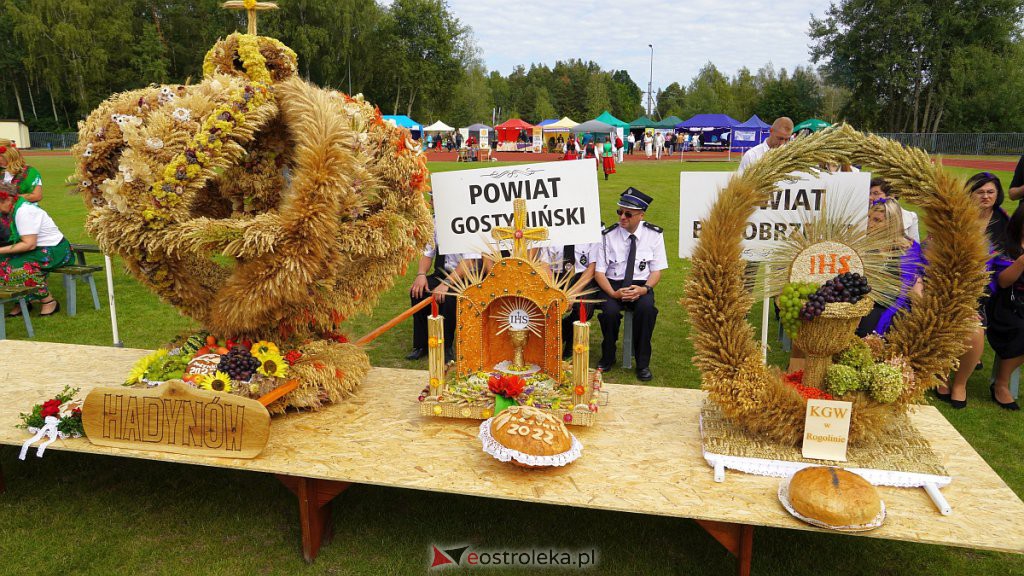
315,498
737,539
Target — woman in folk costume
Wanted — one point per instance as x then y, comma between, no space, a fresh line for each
26,180
571,151
35,247
608,158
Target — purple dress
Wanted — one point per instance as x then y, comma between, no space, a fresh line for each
912,263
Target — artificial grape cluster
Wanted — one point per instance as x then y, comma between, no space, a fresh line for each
849,287
239,364
791,301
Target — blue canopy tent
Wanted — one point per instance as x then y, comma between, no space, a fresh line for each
749,134
403,121
714,131
547,121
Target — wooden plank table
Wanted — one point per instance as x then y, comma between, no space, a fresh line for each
643,456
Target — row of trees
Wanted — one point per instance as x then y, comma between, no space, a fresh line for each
912,65
60,58
769,94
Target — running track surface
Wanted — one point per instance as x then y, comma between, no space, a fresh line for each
975,163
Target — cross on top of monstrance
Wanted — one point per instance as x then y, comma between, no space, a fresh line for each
250,7
518,232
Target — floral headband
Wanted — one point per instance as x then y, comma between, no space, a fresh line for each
880,201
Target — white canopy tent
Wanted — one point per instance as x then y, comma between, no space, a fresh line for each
439,127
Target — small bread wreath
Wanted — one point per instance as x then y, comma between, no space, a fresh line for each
929,337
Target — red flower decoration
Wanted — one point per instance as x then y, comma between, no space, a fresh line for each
50,408
30,283
292,357
508,386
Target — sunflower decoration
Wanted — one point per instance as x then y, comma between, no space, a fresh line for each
258,204
272,365
216,382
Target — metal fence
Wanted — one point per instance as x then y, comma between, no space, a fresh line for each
1008,143
52,140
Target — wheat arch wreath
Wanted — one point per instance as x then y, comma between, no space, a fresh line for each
930,336
258,204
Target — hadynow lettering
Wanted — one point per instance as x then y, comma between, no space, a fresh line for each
174,417
170,421
783,213
560,196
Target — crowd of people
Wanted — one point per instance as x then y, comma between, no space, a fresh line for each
31,245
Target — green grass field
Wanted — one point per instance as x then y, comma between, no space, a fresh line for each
72,513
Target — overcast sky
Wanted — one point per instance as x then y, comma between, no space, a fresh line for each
686,34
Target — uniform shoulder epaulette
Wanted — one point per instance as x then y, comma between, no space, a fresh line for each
610,228
654,227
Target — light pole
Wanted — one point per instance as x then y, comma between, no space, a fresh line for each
650,81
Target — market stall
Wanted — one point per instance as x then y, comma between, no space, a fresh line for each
514,135
438,134
713,131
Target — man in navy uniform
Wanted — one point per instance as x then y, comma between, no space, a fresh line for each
444,265
629,266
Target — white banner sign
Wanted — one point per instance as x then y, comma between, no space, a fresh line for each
788,206
560,196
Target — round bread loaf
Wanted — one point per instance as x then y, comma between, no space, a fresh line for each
530,431
834,496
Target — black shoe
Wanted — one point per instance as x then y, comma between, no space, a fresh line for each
16,311
416,354
1004,405
449,355
644,375
51,312
605,366
945,397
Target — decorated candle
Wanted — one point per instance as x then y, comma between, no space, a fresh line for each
580,361
435,353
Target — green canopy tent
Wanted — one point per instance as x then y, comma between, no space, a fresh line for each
669,123
809,126
642,122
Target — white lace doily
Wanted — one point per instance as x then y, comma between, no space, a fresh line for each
784,498
496,449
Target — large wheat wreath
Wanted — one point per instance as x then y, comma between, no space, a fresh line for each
257,204
930,336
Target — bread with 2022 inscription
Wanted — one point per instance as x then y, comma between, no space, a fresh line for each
834,496
530,431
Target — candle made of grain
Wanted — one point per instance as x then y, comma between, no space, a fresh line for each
435,353
580,360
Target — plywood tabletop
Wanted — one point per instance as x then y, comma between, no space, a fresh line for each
643,455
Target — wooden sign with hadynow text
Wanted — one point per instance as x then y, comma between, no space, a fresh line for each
176,418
